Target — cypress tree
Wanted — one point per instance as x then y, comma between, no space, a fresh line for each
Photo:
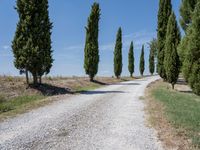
171,61
186,9
142,62
131,60
151,58
19,41
32,42
164,12
91,59
118,54
194,51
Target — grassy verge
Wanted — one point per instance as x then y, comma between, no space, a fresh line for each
19,104
181,110
15,98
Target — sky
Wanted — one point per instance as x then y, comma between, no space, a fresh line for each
138,19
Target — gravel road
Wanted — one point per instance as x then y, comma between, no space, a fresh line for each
109,118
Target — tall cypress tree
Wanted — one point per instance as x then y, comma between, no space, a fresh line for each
194,51
91,59
171,61
131,60
118,54
19,41
44,41
142,62
164,12
32,42
186,9
151,58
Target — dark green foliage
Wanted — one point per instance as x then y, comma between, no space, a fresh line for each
194,51
142,62
118,54
32,42
164,12
91,59
182,49
186,9
151,57
171,61
131,60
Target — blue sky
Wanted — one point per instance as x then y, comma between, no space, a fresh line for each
138,19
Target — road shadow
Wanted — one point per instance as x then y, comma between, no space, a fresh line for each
100,83
100,92
181,81
183,87
187,92
127,84
50,90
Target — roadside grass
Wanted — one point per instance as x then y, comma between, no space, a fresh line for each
16,98
182,110
19,104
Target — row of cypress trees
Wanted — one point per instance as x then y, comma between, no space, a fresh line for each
177,55
32,42
91,51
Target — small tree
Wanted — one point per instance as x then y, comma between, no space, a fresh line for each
172,62
131,60
118,54
91,59
151,60
142,62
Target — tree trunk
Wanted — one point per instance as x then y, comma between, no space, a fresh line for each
40,79
27,78
173,86
91,79
35,79
131,75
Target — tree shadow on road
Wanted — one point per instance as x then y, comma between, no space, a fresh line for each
127,84
100,92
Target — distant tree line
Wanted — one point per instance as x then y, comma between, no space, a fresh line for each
176,54
32,49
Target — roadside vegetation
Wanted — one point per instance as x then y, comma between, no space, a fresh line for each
175,114
16,98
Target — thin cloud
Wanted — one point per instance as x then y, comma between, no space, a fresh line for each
5,47
138,38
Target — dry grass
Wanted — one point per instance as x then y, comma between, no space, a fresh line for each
171,137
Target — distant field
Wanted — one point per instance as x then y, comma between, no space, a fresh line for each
16,98
181,108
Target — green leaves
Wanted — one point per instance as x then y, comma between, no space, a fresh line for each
193,54
91,51
142,61
171,61
118,54
164,12
153,53
32,42
131,60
